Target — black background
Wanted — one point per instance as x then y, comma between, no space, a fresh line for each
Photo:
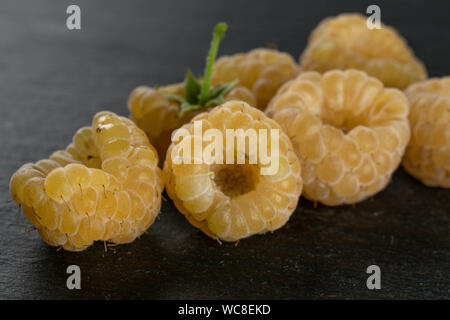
52,81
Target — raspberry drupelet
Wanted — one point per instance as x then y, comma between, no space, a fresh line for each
348,131
234,201
427,156
105,186
345,42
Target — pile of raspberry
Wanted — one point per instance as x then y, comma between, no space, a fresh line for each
343,121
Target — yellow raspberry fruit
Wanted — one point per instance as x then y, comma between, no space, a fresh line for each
105,186
234,201
427,156
157,116
345,42
262,71
348,131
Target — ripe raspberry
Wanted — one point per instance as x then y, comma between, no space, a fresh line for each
160,111
234,201
427,156
345,42
348,131
105,186
262,71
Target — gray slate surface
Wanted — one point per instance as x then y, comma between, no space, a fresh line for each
52,81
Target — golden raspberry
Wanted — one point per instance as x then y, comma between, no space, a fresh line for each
345,42
262,71
348,131
234,201
427,156
156,114
105,186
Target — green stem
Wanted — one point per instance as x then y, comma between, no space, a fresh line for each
219,33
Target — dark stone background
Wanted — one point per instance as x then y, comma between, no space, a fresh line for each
52,81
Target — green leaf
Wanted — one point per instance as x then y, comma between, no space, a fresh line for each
223,89
191,88
174,97
216,101
186,107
